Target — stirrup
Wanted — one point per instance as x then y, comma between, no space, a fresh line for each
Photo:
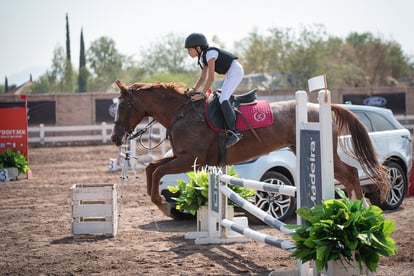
233,139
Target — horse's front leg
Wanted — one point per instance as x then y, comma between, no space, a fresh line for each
173,166
151,168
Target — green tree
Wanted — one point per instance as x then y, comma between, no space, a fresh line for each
132,73
69,80
57,79
43,84
374,61
6,84
292,57
83,71
106,63
309,56
187,78
57,72
253,50
359,60
167,54
51,81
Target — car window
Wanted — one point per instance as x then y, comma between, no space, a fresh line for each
364,119
375,121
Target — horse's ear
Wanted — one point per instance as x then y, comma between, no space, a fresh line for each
121,86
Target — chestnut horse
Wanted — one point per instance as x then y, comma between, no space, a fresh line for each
192,138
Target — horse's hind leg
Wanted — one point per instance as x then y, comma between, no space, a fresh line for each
348,176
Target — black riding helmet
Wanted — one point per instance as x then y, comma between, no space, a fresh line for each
196,39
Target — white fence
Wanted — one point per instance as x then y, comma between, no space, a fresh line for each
53,134
102,133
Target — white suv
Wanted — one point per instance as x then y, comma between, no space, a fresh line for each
391,140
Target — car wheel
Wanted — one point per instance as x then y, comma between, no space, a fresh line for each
399,186
277,205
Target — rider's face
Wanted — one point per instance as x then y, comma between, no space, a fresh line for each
192,52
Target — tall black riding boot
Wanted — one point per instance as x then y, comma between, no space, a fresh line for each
230,119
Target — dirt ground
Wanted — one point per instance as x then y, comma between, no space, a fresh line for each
36,239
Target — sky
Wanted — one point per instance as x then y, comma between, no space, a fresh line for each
30,30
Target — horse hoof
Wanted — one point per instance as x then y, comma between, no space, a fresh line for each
165,208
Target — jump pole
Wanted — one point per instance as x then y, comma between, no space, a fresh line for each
219,223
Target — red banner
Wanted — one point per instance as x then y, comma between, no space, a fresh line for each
13,130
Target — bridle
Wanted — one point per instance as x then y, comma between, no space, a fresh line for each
124,125
130,135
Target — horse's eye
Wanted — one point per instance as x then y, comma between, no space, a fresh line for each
122,106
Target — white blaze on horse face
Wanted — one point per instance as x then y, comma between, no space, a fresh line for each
116,111
114,108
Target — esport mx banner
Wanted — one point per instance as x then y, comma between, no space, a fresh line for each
13,128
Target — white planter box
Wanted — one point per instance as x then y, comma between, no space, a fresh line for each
337,268
9,174
94,210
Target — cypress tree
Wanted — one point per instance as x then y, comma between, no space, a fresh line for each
83,72
69,79
82,59
6,85
67,38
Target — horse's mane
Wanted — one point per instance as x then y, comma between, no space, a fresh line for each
177,87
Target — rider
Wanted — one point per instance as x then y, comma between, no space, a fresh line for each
214,60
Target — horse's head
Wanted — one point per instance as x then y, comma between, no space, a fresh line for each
128,114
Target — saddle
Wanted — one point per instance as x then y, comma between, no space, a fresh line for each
250,113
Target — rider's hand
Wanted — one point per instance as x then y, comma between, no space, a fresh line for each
197,97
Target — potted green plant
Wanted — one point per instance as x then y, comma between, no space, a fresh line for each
14,162
345,231
194,193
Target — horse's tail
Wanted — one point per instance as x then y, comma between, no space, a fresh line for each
363,149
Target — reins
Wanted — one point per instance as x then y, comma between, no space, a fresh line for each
140,133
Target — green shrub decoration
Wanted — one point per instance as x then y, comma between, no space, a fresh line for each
9,159
343,230
194,194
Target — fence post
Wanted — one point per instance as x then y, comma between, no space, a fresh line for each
103,132
42,134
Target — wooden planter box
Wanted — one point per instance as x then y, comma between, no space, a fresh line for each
94,210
